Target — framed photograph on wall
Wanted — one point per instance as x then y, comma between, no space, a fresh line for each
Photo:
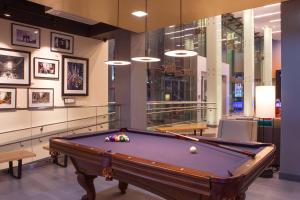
25,36
62,43
75,76
8,98
14,67
41,98
46,68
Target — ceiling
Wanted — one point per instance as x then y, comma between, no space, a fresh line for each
273,21
161,13
34,14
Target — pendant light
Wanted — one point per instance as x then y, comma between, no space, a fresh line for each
146,58
116,61
181,52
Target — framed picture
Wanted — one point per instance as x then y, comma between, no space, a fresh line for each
62,43
46,68
8,98
25,36
14,67
41,98
75,76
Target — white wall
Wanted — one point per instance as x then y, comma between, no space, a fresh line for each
96,51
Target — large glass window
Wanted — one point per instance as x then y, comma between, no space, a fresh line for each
175,79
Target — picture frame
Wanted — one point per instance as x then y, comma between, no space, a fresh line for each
40,98
25,36
61,43
8,98
75,80
44,68
15,67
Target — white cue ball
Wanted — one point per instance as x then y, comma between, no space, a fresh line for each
193,149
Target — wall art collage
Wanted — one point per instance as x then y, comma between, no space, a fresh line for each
15,69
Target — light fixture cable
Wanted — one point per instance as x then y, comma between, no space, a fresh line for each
146,58
116,61
181,52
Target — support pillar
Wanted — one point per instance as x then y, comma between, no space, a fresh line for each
130,82
214,69
290,94
267,64
248,21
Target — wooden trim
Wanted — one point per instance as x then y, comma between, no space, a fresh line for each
264,155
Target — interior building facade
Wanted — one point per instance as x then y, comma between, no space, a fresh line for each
123,88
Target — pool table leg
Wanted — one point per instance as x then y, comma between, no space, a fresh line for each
123,187
241,196
87,182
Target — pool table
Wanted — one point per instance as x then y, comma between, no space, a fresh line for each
163,164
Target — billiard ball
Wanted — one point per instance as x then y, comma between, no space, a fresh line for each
111,138
117,139
193,149
122,139
107,139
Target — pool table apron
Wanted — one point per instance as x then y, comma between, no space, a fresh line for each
169,182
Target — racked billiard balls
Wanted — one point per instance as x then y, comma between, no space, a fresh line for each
117,138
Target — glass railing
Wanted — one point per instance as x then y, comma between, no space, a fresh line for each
32,129
162,113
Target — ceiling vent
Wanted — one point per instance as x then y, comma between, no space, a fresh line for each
69,16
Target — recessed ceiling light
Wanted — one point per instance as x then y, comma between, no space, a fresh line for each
272,5
266,15
7,15
139,13
275,20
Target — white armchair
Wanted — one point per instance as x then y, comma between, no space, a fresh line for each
238,130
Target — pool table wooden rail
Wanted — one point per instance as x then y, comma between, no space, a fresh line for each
168,181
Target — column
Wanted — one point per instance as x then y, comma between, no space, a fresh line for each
138,84
290,137
130,82
267,64
214,68
248,21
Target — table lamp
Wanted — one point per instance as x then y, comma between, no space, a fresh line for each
265,102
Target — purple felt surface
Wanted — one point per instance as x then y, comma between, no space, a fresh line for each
172,151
